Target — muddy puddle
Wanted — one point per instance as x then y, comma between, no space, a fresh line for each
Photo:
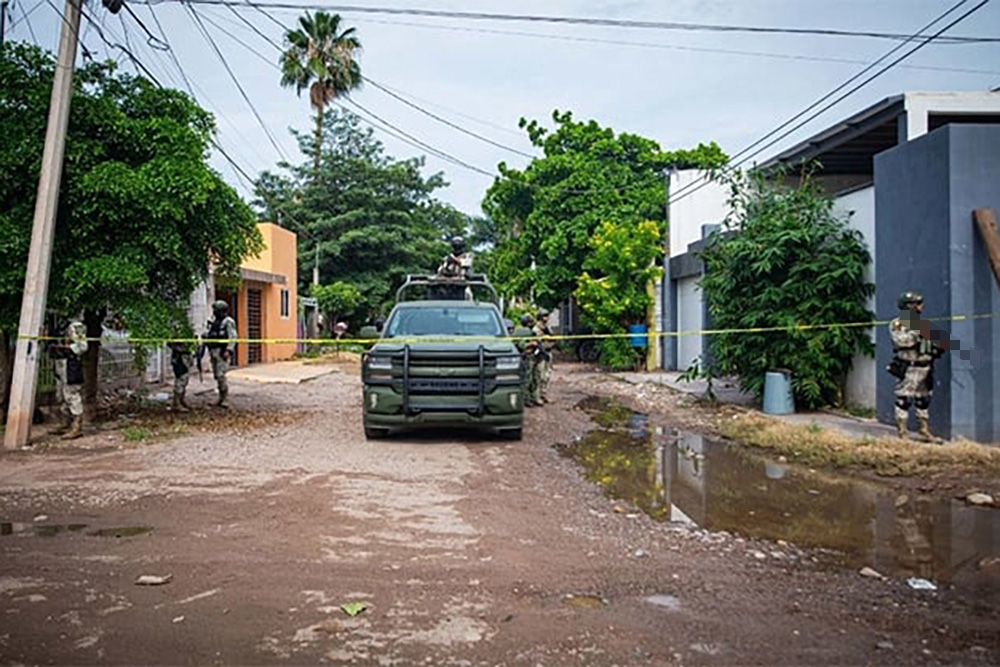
679,476
53,529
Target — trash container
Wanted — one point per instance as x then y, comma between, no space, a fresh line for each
637,335
778,398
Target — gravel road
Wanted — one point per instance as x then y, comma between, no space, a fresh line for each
464,549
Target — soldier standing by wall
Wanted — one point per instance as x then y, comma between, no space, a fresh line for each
69,376
530,350
913,364
221,343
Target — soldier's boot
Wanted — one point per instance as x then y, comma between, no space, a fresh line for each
901,430
184,404
75,429
65,422
178,404
221,401
923,428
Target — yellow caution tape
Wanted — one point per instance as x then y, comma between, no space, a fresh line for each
473,339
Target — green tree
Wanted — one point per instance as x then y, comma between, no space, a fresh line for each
546,214
321,57
612,289
140,213
374,217
788,261
337,300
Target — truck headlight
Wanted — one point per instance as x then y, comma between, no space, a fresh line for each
379,363
511,363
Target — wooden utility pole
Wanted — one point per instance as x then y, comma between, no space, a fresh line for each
36,278
986,221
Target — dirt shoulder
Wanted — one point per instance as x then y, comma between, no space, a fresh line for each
466,550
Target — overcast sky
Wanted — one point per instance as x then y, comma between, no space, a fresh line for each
670,86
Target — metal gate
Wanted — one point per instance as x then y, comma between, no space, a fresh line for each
253,326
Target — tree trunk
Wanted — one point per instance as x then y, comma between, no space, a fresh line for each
6,372
319,142
91,380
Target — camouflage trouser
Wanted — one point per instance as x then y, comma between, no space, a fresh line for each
914,389
69,395
531,388
543,369
219,368
181,384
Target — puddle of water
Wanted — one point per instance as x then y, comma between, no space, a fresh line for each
584,601
53,529
668,602
122,531
682,476
39,529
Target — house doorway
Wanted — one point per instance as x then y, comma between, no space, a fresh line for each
254,328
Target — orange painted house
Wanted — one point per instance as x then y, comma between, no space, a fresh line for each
266,305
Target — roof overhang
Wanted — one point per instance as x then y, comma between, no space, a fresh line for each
263,276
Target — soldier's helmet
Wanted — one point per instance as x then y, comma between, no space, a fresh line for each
220,306
458,245
527,320
909,298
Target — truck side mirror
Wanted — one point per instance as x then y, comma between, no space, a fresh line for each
368,332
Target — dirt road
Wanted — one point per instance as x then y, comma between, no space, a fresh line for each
466,551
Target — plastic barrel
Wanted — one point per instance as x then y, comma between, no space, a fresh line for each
778,398
637,335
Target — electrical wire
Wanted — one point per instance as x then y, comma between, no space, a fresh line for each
589,21
675,47
15,22
27,22
445,121
232,75
152,40
748,154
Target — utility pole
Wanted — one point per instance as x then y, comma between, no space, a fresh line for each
36,278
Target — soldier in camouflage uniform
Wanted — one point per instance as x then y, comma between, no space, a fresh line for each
543,354
220,339
529,349
912,365
68,355
181,362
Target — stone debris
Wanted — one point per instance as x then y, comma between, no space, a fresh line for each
870,573
153,580
979,499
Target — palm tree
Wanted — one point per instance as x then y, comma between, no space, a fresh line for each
321,57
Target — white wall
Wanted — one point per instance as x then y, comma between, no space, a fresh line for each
706,205
860,205
688,319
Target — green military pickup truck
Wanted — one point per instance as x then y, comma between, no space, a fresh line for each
442,360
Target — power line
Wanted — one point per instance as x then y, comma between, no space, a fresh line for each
243,93
27,22
152,40
689,190
673,47
15,22
447,122
591,21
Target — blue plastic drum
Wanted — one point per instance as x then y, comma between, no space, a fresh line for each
637,335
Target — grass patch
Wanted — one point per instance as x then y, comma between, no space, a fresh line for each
137,433
886,456
859,411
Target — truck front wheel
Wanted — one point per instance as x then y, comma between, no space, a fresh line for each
512,433
372,433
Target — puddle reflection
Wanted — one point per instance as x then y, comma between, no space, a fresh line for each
684,477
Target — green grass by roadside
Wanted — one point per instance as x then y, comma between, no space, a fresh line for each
892,457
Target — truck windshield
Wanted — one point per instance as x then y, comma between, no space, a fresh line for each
443,321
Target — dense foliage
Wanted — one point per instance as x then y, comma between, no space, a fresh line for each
373,217
337,301
612,291
545,215
788,261
140,211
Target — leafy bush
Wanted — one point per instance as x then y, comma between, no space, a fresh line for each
612,290
789,261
